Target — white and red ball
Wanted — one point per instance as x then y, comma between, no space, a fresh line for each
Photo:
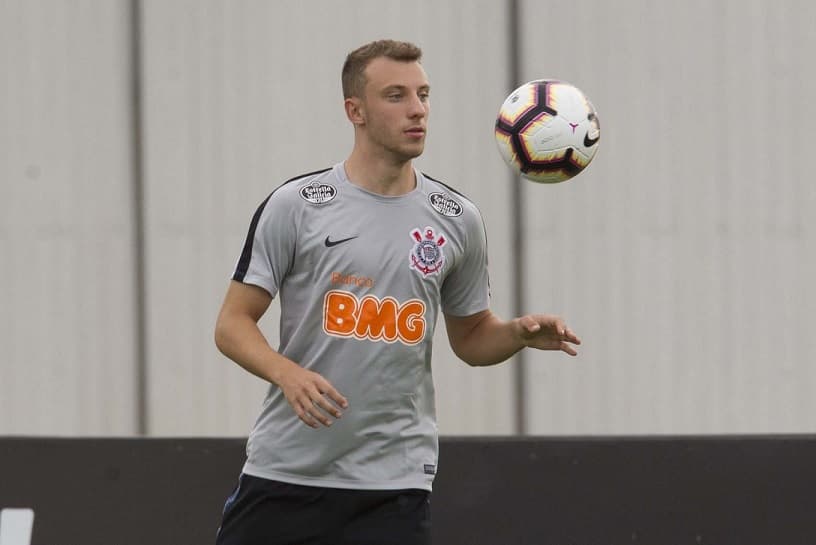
547,131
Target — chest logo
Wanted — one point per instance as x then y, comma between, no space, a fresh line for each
445,205
316,193
329,243
426,256
373,319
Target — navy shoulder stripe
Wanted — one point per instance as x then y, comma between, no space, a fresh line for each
301,176
484,227
449,188
246,254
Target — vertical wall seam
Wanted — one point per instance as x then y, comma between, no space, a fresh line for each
517,214
138,214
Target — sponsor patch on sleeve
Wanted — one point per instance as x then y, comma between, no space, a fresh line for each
318,193
445,204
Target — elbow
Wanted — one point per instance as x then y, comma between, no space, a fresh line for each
221,336
481,358
478,362
469,357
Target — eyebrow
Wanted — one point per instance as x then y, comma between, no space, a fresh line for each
397,87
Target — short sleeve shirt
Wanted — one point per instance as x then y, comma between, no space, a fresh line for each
361,278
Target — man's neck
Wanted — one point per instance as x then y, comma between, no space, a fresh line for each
379,175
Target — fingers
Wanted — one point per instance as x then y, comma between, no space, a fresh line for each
315,401
316,409
568,348
567,339
335,396
569,336
530,326
304,413
548,332
329,408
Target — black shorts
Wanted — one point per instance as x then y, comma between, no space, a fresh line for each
264,512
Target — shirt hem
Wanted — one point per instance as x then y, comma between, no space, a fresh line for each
259,282
334,483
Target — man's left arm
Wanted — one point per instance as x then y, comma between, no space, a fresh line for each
485,339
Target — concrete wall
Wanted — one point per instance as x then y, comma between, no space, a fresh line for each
67,342
682,255
686,252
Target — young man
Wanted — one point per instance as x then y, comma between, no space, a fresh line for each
363,255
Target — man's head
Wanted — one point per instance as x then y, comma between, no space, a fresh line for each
386,99
354,77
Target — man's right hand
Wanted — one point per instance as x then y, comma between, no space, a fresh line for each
238,337
312,397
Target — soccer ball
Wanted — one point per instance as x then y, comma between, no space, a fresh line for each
547,131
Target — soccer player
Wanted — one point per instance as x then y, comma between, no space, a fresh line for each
363,256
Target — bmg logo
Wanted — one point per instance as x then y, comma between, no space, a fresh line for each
15,526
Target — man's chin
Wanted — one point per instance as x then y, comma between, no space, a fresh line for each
405,153
414,151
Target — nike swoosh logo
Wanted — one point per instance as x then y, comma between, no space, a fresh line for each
593,127
329,243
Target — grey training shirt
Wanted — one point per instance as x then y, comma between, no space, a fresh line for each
361,278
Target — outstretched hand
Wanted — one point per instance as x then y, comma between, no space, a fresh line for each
547,332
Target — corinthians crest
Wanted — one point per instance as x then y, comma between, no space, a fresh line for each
426,255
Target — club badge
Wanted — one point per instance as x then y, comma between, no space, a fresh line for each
426,255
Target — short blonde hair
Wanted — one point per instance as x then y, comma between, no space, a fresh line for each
353,76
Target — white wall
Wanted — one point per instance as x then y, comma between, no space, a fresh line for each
66,268
686,253
683,255
239,100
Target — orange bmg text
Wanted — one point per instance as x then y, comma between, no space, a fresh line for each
344,315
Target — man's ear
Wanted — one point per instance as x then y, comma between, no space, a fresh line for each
355,111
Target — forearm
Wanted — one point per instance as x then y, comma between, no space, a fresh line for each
240,339
491,341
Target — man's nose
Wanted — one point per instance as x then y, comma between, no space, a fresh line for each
417,107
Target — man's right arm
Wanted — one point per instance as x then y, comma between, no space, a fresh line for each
238,337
